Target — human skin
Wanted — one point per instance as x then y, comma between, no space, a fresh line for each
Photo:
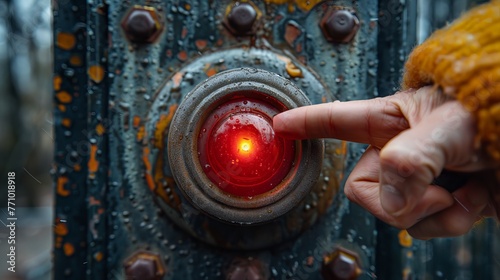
412,135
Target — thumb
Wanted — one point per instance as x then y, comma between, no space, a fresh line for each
410,161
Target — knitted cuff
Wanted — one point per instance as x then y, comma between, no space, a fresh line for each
463,59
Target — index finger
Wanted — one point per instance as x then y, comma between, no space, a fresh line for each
373,121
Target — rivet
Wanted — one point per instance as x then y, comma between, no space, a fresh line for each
339,26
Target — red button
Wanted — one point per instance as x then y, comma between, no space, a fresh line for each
239,151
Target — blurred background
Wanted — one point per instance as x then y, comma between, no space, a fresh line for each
26,144
26,140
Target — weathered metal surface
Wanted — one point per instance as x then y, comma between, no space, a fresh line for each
115,99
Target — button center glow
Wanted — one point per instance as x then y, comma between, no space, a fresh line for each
239,151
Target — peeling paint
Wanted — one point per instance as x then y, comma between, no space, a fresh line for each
161,126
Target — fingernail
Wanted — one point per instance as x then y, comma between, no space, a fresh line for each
392,199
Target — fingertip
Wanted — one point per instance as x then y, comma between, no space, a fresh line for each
283,125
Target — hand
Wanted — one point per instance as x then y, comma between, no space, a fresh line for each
413,135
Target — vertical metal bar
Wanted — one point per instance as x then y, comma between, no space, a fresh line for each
97,180
71,144
397,36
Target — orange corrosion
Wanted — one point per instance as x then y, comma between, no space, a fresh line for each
140,133
75,60
93,164
99,129
64,97
405,239
210,72
61,182
66,122
304,5
69,249
98,256
136,121
182,56
200,44
60,228
96,73
65,41
57,83
463,60
161,126
147,173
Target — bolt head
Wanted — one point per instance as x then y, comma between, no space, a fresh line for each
342,264
241,19
250,269
144,266
339,26
142,24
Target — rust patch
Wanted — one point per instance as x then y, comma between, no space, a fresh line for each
57,83
298,49
61,108
201,44
99,129
305,5
147,173
292,32
66,122
75,60
182,56
98,256
69,249
210,72
184,32
140,134
60,228
293,70
64,97
161,126
93,164
136,121
61,182
177,79
93,201
65,41
96,73
77,167
58,242
405,239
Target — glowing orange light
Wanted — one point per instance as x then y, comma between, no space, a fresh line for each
245,145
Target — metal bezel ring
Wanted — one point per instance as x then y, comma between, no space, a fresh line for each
188,173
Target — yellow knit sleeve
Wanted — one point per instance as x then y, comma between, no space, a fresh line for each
463,60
